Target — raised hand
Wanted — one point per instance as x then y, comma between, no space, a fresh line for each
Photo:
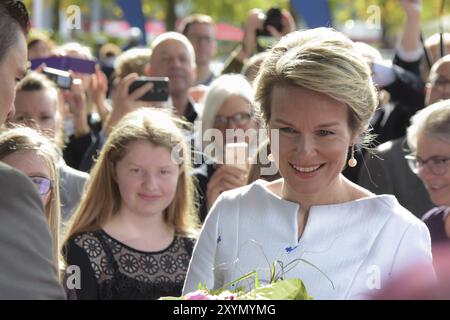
225,178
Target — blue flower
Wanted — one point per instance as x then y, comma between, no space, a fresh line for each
290,249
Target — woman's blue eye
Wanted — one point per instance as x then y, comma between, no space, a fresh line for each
324,133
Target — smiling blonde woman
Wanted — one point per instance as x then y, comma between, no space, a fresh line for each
316,90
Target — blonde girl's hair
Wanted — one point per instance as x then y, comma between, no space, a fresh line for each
102,198
21,138
325,61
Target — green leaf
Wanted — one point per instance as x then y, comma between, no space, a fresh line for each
272,272
290,289
245,276
172,298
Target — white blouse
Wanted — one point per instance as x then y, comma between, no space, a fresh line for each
358,245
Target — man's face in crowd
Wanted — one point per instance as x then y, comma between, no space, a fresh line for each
172,59
203,40
12,69
38,109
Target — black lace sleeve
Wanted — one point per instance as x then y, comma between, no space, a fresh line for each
189,244
76,256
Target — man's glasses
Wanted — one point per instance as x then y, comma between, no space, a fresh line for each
42,184
239,119
438,165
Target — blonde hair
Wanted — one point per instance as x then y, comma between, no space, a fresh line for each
433,121
75,48
433,42
325,61
109,50
251,66
433,71
27,139
132,60
35,35
102,197
193,19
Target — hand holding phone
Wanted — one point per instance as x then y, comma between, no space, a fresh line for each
62,78
159,91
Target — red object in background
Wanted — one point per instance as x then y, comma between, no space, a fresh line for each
155,28
228,32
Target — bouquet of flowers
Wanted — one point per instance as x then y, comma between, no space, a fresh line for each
277,289
289,289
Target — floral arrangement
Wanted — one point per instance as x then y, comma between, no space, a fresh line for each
289,289
277,289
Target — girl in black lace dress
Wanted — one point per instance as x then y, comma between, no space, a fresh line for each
133,233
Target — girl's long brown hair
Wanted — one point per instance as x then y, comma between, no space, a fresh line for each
102,197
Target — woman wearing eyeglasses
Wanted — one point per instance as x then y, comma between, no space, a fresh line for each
30,152
429,140
228,107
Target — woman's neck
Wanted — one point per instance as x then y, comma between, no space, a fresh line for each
341,190
145,233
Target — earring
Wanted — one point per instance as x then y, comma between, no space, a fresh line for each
270,157
352,161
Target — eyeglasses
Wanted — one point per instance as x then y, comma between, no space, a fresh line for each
438,165
239,119
42,184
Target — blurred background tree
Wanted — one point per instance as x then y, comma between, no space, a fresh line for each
344,12
391,15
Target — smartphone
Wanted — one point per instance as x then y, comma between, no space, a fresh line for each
159,92
66,64
62,78
236,154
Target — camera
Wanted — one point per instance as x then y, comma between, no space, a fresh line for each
62,78
274,19
159,92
